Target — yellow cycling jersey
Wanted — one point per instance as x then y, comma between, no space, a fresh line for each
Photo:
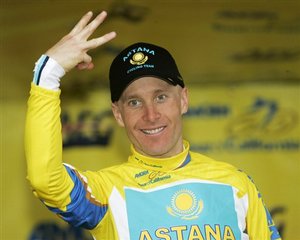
188,196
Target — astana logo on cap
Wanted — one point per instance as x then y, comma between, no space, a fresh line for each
138,58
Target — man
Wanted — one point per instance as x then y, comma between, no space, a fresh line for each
164,191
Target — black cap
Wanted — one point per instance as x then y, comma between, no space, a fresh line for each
139,60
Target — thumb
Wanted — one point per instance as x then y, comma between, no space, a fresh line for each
86,62
82,65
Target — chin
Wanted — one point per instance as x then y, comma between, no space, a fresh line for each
156,152
155,147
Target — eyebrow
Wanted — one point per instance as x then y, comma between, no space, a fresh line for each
133,96
125,98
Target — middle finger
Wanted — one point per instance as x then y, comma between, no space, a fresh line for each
91,27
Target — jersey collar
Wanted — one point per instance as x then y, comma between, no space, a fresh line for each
161,164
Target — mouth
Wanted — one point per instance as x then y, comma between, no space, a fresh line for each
153,131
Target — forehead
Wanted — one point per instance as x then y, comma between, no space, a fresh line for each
146,85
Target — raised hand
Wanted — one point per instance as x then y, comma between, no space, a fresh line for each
72,49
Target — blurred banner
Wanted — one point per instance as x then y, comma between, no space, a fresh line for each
239,59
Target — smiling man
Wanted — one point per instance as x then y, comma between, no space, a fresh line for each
152,116
163,191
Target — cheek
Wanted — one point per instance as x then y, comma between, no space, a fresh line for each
177,109
130,120
173,113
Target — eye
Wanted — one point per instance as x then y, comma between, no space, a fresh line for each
134,103
161,98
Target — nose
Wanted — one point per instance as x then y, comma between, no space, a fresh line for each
151,113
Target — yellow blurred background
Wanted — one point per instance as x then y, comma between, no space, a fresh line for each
240,60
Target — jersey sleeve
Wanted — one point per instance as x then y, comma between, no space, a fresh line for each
60,187
43,148
259,221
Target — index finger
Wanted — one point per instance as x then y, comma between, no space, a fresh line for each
96,42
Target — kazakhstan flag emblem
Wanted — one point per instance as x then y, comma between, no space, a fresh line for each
185,205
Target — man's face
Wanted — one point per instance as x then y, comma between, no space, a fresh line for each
151,112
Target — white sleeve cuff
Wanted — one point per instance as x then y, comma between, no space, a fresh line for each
47,73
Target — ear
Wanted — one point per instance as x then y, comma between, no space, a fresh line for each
184,100
117,113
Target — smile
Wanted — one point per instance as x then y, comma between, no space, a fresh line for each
152,131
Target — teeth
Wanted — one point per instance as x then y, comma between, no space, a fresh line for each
153,131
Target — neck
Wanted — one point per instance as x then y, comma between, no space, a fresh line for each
161,163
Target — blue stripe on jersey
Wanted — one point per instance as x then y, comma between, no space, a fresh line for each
38,71
274,232
81,212
186,161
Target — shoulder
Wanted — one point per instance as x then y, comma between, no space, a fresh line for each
207,161
221,171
